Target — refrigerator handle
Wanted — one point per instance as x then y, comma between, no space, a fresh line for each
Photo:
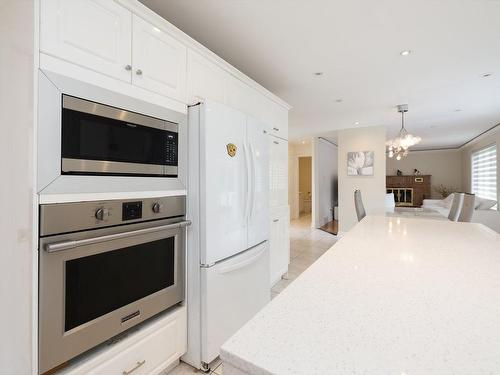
247,170
243,263
253,173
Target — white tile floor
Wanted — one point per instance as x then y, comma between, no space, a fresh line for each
306,245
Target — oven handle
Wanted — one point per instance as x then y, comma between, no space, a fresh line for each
59,246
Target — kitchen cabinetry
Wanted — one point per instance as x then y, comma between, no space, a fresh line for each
152,348
96,34
205,79
279,239
158,60
279,242
278,172
105,37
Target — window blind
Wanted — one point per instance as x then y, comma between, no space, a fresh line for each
484,172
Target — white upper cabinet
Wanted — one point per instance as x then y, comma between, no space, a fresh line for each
205,79
238,95
95,34
158,60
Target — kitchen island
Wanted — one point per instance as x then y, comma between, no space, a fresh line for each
393,296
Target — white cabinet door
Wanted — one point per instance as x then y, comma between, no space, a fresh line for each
279,126
258,145
238,94
278,172
279,242
95,34
205,79
158,60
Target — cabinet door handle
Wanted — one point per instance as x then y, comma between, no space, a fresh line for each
128,67
276,129
276,142
138,364
276,220
138,72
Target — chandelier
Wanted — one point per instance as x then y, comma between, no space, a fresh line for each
399,147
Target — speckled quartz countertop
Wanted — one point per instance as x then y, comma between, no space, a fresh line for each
399,296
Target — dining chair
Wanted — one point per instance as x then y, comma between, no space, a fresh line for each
456,206
467,210
358,203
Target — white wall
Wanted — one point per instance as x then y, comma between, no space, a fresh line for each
295,150
372,187
325,174
492,137
444,166
17,185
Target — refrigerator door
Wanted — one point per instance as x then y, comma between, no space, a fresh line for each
224,183
232,292
258,212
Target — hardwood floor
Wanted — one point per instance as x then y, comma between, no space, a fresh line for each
331,227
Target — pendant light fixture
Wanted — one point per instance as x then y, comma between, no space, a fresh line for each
399,146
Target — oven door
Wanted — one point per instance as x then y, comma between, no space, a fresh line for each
99,139
96,284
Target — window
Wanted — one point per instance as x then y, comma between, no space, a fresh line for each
484,172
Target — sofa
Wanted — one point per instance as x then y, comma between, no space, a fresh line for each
483,212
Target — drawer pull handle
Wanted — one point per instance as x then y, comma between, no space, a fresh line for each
276,142
138,364
276,129
276,220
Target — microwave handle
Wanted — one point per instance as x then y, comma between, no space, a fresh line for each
66,245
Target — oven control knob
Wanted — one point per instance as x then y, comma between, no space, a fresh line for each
101,213
157,207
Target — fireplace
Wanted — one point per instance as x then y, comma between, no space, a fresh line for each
402,196
409,190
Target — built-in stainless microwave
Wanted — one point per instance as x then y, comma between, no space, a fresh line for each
98,139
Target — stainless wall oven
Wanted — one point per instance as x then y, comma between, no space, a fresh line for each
99,139
106,266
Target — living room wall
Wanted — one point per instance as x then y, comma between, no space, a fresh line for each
444,166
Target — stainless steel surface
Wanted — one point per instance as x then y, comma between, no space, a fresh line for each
72,217
56,345
138,72
86,106
137,365
97,166
66,245
128,67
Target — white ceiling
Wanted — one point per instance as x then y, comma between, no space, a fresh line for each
357,45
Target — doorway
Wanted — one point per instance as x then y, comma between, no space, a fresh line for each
305,188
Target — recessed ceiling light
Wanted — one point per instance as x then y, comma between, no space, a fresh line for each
485,75
318,73
406,52
356,123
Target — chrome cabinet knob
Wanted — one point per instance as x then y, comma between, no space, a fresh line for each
157,208
101,213
138,72
128,67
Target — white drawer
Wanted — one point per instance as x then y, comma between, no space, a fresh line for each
145,352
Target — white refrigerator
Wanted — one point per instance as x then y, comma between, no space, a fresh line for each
228,204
